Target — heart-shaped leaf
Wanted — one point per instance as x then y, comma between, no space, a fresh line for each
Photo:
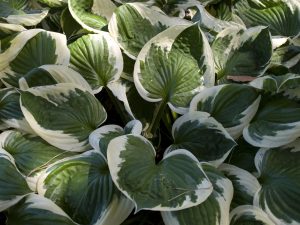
13,186
279,176
270,128
92,15
98,58
244,183
241,52
202,135
249,214
83,188
52,74
31,153
213,211
63,114
232,105
282,17
31,49
178,63
36,210
134,24
177,182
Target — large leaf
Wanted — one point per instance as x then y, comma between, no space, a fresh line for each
31,153
83,188
37,210
7,29
63,114
98,58
133,25
178,63
91,14
279,175
13,186
244,183
31,49
20,12
52,74
100,138
249,215
177,182
202,135
282,17
241,52
232,105
270,128
213,211
10,111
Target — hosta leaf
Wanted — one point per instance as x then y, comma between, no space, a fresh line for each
36,210
98,58
31,153
279,175
276,84
240,52
232,105
213,211
64,115
282,17
10,111
13,186
202,135
249,215
179,63
177,182
31,49
54,3
133,25
288,57
83,188
92,15
244,183
20,12
52,74
7,29
270,128
100,138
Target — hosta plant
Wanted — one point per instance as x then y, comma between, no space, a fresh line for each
116,112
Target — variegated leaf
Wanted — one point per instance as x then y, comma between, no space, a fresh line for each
178,63
83,188
279,176
63,114
203,136
213,211
177,182
232,105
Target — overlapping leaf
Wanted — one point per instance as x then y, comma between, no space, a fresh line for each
202,135
64,114
213,211
174,66
177,182
280,179
232,105
83,188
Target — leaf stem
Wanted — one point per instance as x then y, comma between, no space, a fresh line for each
158,113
